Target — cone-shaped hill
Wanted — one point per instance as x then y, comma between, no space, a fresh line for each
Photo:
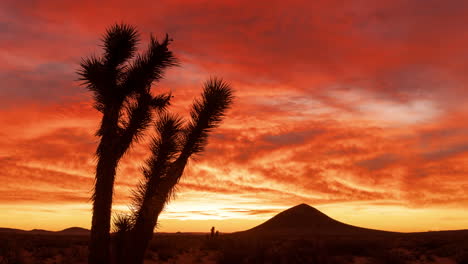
303,220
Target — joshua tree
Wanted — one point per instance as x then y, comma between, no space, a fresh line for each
121,85
171,150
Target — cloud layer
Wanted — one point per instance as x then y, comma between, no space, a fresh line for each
356,105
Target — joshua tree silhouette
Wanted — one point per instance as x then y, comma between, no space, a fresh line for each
171,150
121,84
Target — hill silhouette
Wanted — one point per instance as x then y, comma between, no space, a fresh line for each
40,232
11,230
304,220
68,231
74,231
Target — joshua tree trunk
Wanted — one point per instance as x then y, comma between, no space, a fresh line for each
103,190
156,197
102,207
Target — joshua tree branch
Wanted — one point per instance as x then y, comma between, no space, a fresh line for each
163,176
139,117
148,67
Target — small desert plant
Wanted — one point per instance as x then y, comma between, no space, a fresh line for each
212,231
123,224
462,257
11,252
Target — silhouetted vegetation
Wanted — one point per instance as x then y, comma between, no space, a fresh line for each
121,83
174,144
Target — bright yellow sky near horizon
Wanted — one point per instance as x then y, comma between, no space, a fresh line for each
390,218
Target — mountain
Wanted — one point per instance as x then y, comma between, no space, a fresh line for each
40,232
20,231
11,230
68,231
74,231
304,220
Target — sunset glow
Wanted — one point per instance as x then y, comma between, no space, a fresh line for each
357,108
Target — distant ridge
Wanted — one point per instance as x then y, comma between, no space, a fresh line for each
304,220
11,230
67,231
40,231
74,231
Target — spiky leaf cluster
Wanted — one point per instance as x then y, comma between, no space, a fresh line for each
149,66
123,223
207,112
120,43
120,73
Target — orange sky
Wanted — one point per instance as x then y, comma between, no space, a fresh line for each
357,108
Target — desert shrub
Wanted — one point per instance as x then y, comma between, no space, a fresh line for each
462,257
391,257
342,246
44,253
275,252
11,251
165,251
445,251
430,245
233,252
169,246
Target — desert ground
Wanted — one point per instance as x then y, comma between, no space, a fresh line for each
436,247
